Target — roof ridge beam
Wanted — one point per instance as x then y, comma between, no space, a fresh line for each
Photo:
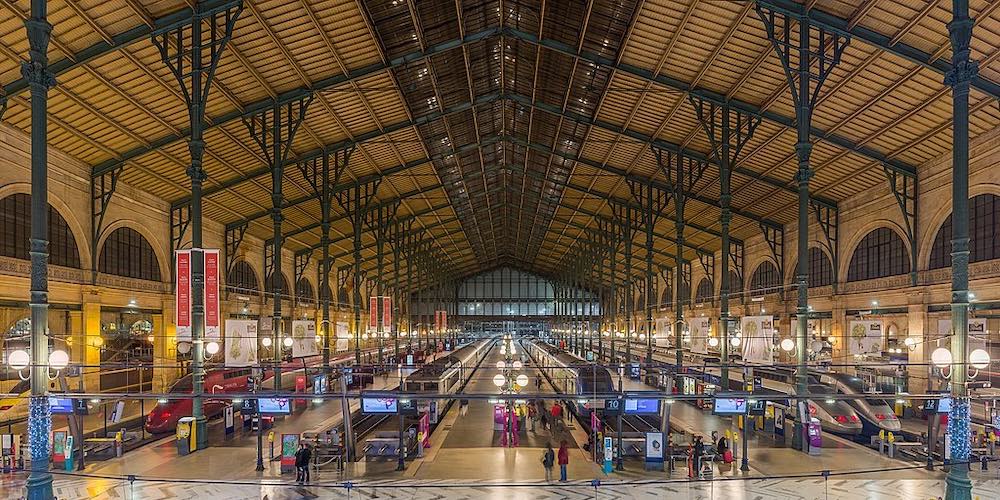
295,94
835,24
708,95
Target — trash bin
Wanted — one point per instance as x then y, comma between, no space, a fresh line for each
186,438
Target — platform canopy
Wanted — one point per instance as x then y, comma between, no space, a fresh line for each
510,129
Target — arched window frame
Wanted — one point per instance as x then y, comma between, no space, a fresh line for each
126,252
304,291
705,291
765,279
881,253
15,233
984,233
243,279
820,268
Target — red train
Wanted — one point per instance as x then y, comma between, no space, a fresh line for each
220,381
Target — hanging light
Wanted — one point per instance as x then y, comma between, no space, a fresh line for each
787,345
212,348
522,380
735,341
499,380
19,359
59,359
265,341
501,365
713,342
979,359
941,357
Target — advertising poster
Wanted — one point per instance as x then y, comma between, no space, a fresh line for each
654,446
182,290
758,339
304,339
378,405
289,445
865,337
699,329
977,332
662,336
241,342
386,314
343,337
213,323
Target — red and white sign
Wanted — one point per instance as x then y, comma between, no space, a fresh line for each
437,321
182,288
386,314
373,312
444,320
212,316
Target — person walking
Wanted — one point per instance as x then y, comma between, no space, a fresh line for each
548,461
699,450
299,459
556,415
563,460
532,415
463,406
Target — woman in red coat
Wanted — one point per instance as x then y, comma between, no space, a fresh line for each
563,460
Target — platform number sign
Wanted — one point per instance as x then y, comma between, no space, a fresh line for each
612,406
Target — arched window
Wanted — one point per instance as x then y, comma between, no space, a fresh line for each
984,233
820,268
303,290
15,226
765,279
685,292
242,279
704,292
881,253
281,285
735,284
126,253
342,296
667,297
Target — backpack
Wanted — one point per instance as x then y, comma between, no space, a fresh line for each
548,458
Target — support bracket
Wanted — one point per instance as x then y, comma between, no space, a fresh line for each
728,132
829,222
180,219
775,238
685,283
343,275
737,261
301,263
102,189
708,265
904,188
268,264
234,238
824,58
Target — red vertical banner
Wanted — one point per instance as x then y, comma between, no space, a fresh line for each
182,290
373,312
212,319
437,320
444,320
386,314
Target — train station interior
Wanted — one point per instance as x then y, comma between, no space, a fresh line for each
500,249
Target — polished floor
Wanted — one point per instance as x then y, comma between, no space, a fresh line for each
70,488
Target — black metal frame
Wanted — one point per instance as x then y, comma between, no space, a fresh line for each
904,189
102,190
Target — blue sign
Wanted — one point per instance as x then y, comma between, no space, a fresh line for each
730,406
642,406
61,406
378,405
608,451
274,406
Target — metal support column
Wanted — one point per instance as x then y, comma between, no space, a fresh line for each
958,485
317,172
192,52
797,58
379,220
274,131
354,201
654,202
36,71
730,125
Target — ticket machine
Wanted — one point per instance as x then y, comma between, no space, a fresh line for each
815,432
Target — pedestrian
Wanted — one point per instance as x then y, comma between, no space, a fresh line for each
538,382
306,459
300,475
532,416
699,450
548,461
563,460
544,416
556,415
463,406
